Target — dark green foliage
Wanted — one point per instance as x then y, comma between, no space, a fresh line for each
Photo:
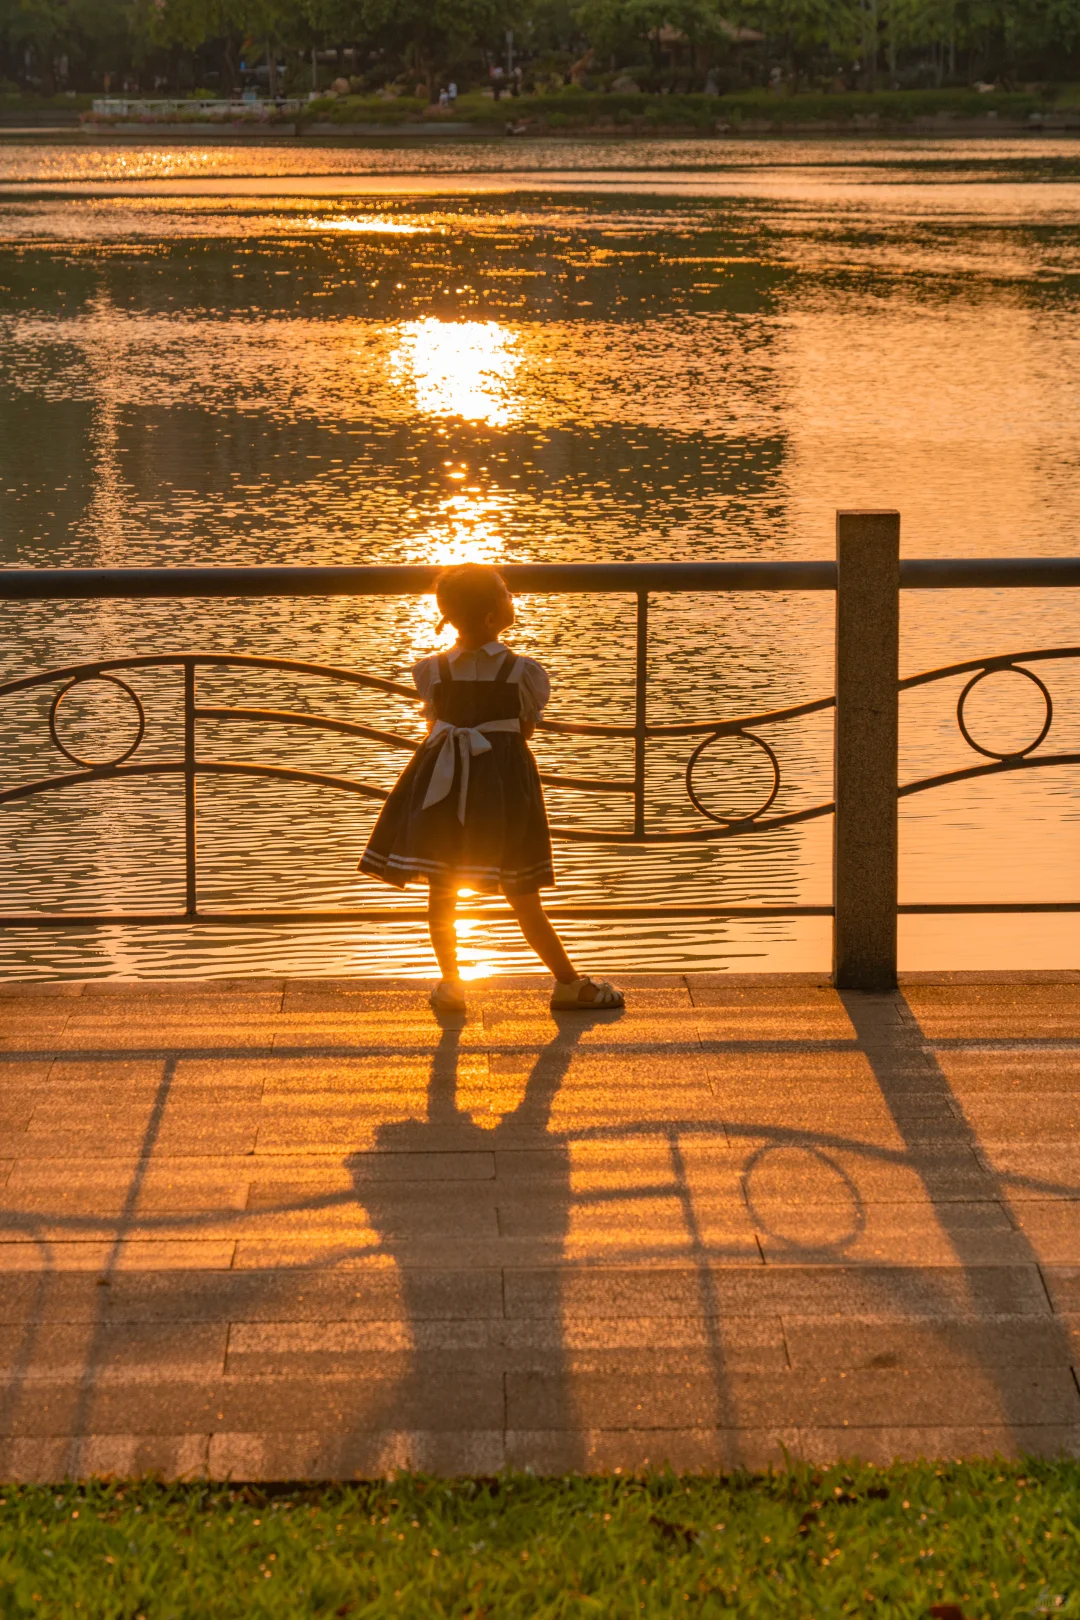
674,46
996,1541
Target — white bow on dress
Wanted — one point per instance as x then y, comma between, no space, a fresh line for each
458,742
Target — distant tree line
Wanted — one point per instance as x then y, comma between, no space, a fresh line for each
48,47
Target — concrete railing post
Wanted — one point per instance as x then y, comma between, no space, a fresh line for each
867,725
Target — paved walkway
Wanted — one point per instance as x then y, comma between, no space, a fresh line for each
277,1229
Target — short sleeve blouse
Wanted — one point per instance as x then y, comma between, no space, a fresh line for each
482,665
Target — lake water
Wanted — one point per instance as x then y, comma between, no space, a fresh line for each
558,350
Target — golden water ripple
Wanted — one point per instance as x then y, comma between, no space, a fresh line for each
407,378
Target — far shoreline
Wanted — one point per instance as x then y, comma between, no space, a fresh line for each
567,114
425,133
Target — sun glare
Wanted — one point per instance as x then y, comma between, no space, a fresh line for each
458,368
367,227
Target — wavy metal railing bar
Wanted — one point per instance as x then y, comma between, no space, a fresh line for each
637,579
194,765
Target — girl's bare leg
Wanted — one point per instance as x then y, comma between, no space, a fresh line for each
534,924
442,904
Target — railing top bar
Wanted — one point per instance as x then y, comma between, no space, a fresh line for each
39,584
42,584
987,573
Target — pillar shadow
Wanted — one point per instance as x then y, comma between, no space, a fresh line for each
1035,1390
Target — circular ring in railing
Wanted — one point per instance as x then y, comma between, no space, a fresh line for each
732,821
1012,753
97,764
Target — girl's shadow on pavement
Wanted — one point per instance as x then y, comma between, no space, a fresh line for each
475,1218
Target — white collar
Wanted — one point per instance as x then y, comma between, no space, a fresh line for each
490,647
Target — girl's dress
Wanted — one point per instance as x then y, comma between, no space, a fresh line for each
468,809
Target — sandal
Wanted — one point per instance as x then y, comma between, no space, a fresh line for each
567,997
448,997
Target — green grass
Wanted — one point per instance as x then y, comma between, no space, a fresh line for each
362,110
756,108
995,1540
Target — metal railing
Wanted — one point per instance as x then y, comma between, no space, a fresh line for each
866,578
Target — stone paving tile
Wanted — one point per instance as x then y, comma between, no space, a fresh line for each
666,1219
1011,1076
1052,1229
319,1455
137,1010
652,992
96,1349
237,1075
978,1342
280,1180
647,1161
226,1295
33,1255
450,1400
683,1450
781,1002
363,1029
374,995
1032,1119
109,1187
667,1030
379,1079
53,1459
978,1024
40,989
121,989
448,1211
906,1234
762,1024
1038,1395
1030,998
178,1129
12,1144
1062,1283
18,1075
813,1171
416,1365
100,1083
164,1035
363,1249
277,1348
839,1290
356,1125
40,1038
1040,1171
827,1073
888,1443
873,1122
1017,978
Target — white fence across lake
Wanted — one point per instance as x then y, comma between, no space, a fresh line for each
129,107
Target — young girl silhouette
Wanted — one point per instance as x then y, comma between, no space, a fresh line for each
468,809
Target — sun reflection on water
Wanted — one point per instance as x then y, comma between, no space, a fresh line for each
458,368
365,226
